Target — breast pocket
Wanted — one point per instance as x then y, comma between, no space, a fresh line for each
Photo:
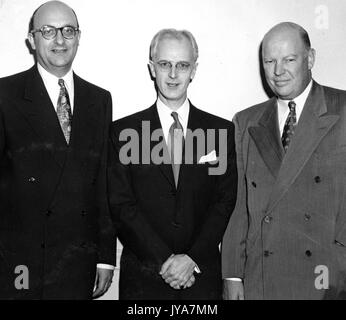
338,150
340,237
332,163
334,152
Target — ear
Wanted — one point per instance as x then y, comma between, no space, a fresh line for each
79,35
31,41
152,69
311,58
193,72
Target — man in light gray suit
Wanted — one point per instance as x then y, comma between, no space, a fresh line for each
287,236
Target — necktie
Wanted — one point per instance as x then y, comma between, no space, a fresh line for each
175,145
289,127
63,111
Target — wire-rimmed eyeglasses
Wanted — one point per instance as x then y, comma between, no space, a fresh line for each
166,66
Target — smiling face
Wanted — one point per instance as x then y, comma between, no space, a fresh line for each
55,55
173,69
287,62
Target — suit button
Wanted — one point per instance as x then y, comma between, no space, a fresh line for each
32,179
308,253
338,243
267,253
267,219
176,225
307,217
83,245
254,184
48,213
317,179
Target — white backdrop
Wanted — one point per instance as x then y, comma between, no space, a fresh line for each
116,34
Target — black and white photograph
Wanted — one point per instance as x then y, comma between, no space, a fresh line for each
156,151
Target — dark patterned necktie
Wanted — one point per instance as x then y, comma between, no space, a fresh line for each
175,145
63,111
289,127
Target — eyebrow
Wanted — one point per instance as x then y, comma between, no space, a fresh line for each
165,60
286,56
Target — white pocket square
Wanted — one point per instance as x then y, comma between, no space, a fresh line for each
208,158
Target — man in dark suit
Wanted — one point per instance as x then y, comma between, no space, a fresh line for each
287,236
169,196
56,237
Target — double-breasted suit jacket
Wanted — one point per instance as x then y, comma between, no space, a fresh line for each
54,217
155,219
287,235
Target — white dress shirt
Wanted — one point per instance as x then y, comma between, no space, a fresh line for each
51,83
167,120
52,86
283,111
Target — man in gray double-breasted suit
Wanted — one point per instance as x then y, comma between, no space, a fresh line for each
287,236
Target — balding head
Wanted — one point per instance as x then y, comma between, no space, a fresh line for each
55,54
50,6
289,27
287,59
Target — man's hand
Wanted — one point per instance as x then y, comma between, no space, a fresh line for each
190,282
103,281
233,290
178,270
174,284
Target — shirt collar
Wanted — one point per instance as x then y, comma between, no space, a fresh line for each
51,83
167,120
300,100
52,80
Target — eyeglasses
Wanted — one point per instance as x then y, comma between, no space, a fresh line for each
167,66
50,32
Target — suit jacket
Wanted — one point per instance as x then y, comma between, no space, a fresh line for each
290,217
154,219
54,217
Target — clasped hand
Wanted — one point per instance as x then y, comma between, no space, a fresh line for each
177,271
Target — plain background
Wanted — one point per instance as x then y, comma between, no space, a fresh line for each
116,35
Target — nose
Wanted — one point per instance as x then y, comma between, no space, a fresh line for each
173,72
279,70
59,39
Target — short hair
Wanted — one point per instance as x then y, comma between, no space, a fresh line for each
305,37
177,34
301,31
31,22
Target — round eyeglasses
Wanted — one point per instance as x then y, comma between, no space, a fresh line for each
50,32
166,66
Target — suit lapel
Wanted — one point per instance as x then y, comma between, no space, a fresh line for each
195,122
313,125
155,124
41,115
266,136
85,115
